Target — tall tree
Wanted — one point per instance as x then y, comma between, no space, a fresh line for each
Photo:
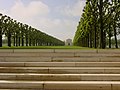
2,26
100,19
115,15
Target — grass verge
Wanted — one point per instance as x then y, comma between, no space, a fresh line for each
44,47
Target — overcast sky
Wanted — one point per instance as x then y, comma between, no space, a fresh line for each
58,18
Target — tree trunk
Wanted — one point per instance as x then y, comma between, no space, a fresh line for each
26,40
9,39
33,42
115,34
40,44
109,41
90,39
104,40
95,38
29,42
19,40
0,37
110,37
36,42
86,42
16,40
101,25
22,40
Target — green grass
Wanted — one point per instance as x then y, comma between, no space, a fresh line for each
44,47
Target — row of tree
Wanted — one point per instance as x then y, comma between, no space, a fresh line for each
100,21
113,42
19,34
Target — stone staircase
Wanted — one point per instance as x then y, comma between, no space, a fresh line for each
58,69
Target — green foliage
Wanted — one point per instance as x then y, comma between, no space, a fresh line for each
100,20
20,33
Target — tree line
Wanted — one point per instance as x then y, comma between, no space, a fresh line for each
100,21
19,34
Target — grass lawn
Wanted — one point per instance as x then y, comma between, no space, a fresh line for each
45,47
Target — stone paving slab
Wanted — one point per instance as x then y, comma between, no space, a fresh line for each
45,54
61,70
25,50
25,59
97,55
21,85
47,50
57,59
61,85
60,64
28,54
59,77
63,50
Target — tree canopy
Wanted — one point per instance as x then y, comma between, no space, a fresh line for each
100,21
19,34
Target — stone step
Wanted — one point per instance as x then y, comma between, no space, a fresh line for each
46,50
62,50
60,64
61,85
86,59
58,59
25,59
60,54
61,70
43,54
50,50
59,77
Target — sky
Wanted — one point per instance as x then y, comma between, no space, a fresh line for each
58,18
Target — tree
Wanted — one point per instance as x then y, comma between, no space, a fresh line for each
21,33
7,29
115,16
26,34
100,19
22,29
2,18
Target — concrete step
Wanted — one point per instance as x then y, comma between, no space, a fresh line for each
35,54
62,50
49,50
86,59
25,59
60,64
59,77
61,85
58,59
61,70
60,54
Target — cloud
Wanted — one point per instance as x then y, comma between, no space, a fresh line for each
33,9
40,16
63,29
3,11
36,15
75,10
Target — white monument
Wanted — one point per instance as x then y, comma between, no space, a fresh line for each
68,42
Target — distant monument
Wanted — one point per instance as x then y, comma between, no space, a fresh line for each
68,42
